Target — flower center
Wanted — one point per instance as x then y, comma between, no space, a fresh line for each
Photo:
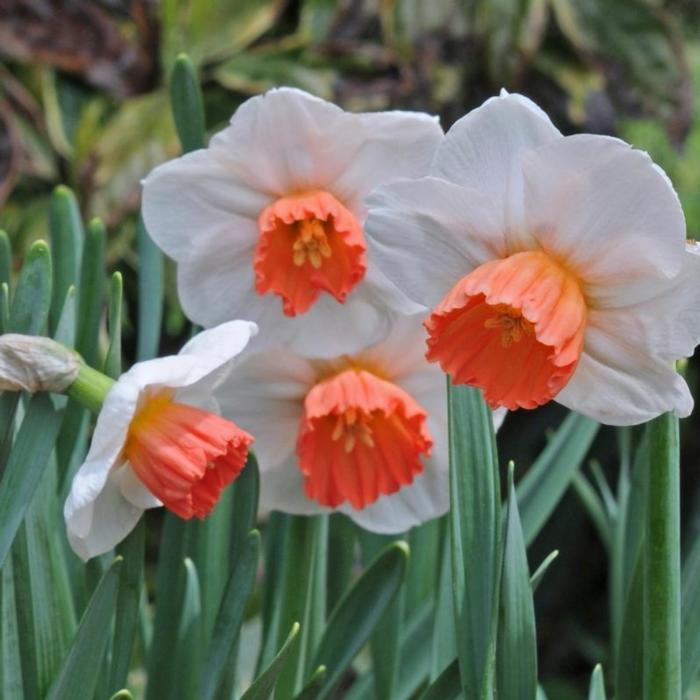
360,437
309,243
184,456
513,328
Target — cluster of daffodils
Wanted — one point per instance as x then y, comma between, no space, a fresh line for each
375,253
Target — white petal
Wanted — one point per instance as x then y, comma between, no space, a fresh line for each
604,208
113,518
483,151
104,453
200,200
288,140
427,234
662,317
617,384
265,395
426,498
282,489
392,145
134,491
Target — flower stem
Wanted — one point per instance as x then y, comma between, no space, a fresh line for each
662,589
90,388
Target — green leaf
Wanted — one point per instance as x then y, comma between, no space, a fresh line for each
446,686
66,325
341,557
187,105
131,550
475,523
66,244
170,591
5,258
11,686
30,304
662,581
4,308
541,570
444,635
690,615
113,359
150,293
246,493
80,671
313,688
91,290
541,489
186,666
122,695
303,575
593,505
384,643
352,621
630,654
230,617
597,687
263,686
45,610
28,459
516,666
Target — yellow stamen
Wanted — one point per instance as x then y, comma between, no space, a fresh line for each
311,243
353,426
512,324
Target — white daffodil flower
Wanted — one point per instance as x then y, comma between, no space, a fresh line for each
158,440
267,222
365,434
557,267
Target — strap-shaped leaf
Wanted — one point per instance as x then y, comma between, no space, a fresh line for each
28,459
151,285
447,686
517,642
596,690
187,104
5,258
230,618
352,621
541,489
475,524
80,671
264,685
91,291
66,245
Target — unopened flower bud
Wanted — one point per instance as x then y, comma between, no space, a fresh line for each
33,363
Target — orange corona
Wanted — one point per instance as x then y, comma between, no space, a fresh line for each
309,243
183,455
512,327
360,437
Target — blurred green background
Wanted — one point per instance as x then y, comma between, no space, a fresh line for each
84,101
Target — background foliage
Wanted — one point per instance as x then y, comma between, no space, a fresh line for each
201,609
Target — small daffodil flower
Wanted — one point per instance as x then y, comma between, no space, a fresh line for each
268,221
158,440
556,267
365,434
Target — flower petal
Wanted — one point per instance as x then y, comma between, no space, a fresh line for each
660,316
112,518
617,384
426,234
134,491
392,145
426,498
198,201
104,453
282,488
604,208
265,396
483,149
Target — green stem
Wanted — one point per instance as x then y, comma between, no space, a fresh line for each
90,388
662,590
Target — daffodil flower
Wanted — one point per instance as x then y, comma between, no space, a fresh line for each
267,222
557,267
365,434
158,440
